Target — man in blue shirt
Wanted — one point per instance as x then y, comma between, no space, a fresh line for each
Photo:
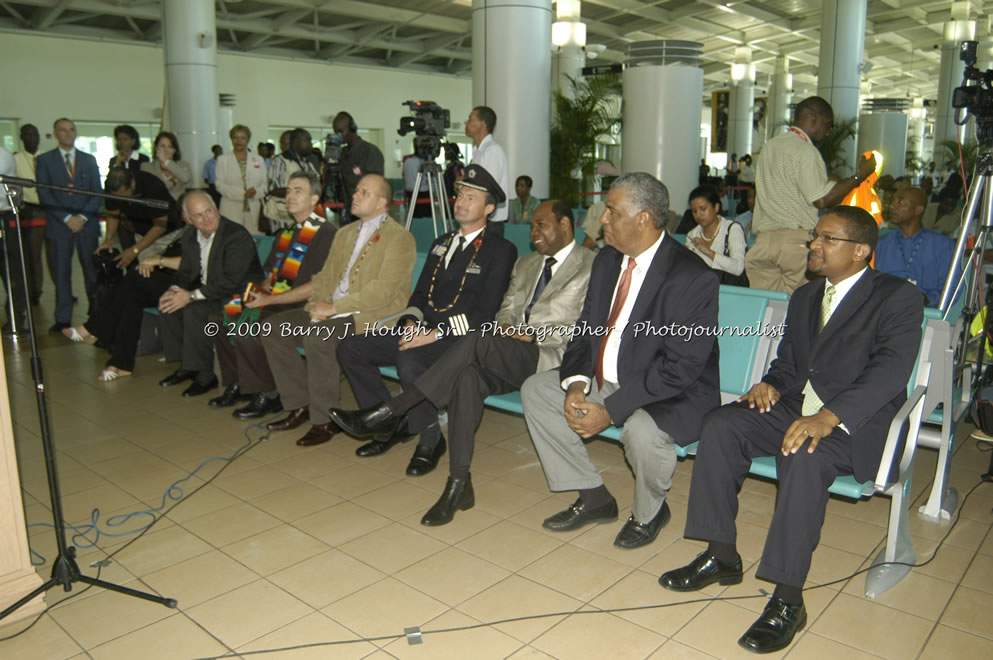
920,256
210,174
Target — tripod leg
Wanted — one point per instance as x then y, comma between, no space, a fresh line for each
27,599
413,200
168,602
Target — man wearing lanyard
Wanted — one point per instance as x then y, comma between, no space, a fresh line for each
920,256
791,185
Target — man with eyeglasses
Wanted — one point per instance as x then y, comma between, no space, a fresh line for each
823,410
792,183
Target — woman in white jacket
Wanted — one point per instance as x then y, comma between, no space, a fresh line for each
241,180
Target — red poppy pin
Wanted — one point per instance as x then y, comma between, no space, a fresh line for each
477,242
375,239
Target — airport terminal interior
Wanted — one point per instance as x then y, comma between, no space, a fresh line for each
273,550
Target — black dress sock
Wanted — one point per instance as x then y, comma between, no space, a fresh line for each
725,553
595,497
410,397
790,594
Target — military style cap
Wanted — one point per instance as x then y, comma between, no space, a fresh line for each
477,177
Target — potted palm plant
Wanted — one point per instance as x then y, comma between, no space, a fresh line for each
832,147
578,123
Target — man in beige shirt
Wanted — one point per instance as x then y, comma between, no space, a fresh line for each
366,278
32,215
791,185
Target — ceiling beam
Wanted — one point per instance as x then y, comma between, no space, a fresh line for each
429,46
47,18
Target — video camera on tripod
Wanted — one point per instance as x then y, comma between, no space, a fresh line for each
976,98
428,122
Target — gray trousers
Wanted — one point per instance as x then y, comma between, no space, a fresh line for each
650,451
314,383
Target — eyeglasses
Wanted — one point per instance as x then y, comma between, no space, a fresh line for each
830,240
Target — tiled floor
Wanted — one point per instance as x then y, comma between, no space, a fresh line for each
295,547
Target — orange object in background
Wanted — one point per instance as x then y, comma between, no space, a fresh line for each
864,196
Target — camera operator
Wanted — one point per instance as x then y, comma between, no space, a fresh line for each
479,126
299,156
358,157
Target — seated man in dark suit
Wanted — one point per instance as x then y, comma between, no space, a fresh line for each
218,260
635,361
297,254
823,410
530,332
460,288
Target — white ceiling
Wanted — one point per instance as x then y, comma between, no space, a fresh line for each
902,36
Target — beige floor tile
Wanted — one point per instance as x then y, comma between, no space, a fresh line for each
915,594
851,535
451,575
970,611
397,500
308,465
529,653
46,639
159,549
950,562
79,506
518,597
131,465
579,573
496,461
814,647
107,615
598,635
482,643
321,580
869,626
206,500
968,534
948,642
393,547
506,499
980,574
600,539
256,482
987,547
829,564
201,578
174,637
354,481
815,600
716,631
341,523
660,613
248,612
77,480
532,478
509,545
275,549
384,608
673,650
314,629
231,524
294,502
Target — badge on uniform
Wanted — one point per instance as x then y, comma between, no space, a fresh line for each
439,250
473,270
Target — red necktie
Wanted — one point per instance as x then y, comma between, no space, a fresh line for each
615,311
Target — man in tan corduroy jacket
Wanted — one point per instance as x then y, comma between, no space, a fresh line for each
366,277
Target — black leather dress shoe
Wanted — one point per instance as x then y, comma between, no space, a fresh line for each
457,496
378,446
260,406
177,377
578,515
700,572
635,534
366,423
425,460
775,628
198,388
232,394
291,421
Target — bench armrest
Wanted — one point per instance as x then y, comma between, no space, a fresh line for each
910,413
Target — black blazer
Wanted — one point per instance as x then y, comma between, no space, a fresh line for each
232,264
484,285
860,363
676,381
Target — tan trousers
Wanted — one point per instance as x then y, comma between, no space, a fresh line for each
778,260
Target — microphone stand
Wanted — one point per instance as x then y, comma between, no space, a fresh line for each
65,570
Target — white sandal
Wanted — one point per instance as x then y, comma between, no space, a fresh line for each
107,375
72,334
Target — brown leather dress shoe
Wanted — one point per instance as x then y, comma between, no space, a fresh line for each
318,434
291,421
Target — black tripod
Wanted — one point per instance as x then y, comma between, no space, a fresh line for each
65,571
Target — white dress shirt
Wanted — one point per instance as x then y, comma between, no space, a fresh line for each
493,158
642,263
469,238
205,245
366,229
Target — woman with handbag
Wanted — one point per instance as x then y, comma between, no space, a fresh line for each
717,240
